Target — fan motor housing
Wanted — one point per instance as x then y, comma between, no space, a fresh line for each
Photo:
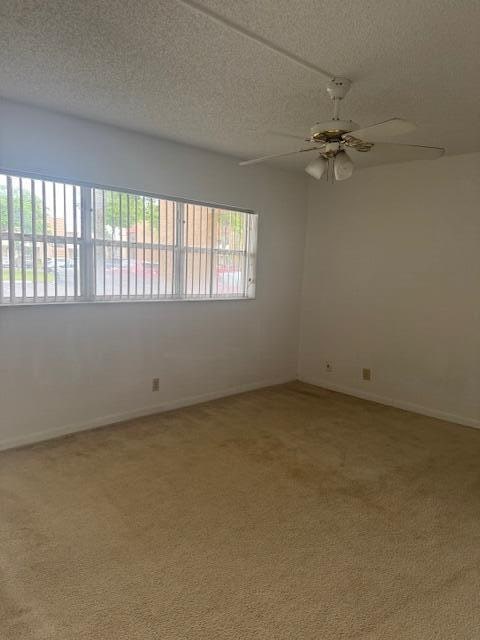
331,130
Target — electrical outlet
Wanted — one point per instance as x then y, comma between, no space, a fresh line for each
366,374
328,366
155,384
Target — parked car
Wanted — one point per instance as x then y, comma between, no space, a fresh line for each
229,278
150,269
62,264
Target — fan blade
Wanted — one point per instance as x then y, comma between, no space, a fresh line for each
382,130
389,153
275,155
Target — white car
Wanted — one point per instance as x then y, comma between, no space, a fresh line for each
61,264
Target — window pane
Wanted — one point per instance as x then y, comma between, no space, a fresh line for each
134,245
39,222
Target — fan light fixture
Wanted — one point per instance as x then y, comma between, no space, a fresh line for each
316,168
342,166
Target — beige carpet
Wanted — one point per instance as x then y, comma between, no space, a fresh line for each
286,513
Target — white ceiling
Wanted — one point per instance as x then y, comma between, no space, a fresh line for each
159,67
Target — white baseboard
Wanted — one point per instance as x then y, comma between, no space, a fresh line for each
391,402
48,434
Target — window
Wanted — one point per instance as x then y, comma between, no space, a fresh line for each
62,242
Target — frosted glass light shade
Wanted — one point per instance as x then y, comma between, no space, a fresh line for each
316,168
342,166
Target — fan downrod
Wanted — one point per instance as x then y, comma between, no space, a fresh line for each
333,130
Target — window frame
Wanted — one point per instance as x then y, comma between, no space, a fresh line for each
86,243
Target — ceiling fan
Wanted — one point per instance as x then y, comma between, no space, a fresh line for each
337,142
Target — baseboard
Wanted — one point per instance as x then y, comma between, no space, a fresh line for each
10,443
49,434
392,402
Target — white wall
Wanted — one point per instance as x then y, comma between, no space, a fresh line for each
67,367
392,282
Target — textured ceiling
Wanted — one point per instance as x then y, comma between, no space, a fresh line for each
159,67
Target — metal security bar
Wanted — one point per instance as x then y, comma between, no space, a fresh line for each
61,242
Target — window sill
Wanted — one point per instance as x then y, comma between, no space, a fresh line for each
63,303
